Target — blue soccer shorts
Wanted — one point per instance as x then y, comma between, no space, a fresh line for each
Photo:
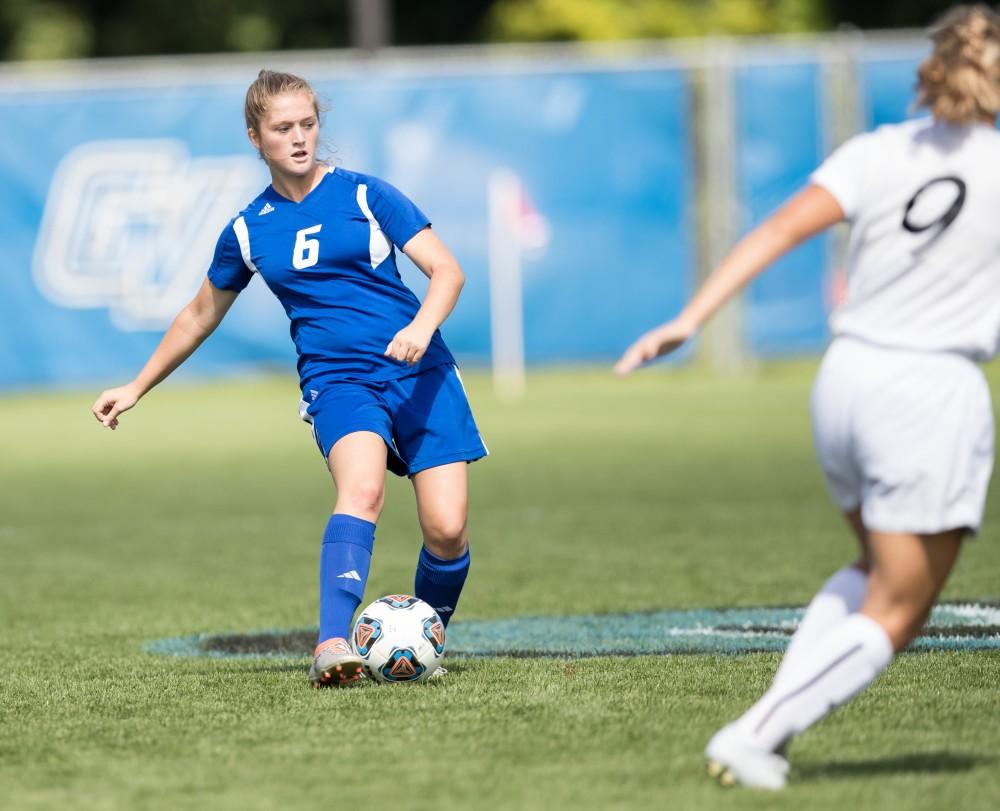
424,419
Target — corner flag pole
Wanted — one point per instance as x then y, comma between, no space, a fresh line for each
506,312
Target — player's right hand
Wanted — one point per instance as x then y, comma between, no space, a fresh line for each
660,341
113,402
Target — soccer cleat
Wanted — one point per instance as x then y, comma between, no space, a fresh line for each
440,673
733,760
335,664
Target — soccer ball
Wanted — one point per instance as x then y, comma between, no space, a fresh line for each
399,638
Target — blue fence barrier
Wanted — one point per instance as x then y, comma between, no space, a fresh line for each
779,142
887,90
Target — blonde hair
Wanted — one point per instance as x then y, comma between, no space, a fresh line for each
267,85
960,81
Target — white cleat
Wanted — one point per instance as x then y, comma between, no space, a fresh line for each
440,673
733,760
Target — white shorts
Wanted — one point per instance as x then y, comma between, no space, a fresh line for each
905,435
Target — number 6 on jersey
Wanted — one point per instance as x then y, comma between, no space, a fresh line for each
306,253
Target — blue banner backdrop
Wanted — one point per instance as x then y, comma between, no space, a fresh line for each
114,198
887,90
779,143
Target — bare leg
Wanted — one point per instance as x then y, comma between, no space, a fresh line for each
442,505
907,574
357,464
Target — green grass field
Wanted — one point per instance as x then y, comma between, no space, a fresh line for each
203,514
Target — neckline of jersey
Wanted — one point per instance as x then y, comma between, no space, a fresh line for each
279,197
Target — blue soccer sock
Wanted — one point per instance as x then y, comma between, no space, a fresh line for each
439,582
343,572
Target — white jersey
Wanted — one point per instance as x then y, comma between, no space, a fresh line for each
923,200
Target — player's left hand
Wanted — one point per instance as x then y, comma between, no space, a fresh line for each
660,341
409,344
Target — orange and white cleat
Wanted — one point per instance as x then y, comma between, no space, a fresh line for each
335,664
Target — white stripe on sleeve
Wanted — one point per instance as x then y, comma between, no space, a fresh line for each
243,237
378,243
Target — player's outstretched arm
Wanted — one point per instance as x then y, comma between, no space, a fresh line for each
436,262
810,211
192,325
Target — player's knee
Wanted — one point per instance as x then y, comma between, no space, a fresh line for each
445,535
364,499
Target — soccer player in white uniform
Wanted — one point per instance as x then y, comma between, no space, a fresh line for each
379,387
901,413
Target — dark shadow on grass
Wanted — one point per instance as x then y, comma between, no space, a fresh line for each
283,643
215,667
258,666
920,763
273,667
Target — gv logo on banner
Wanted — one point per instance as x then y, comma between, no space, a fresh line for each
131,226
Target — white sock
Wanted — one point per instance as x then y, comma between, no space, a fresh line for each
840,596
839,665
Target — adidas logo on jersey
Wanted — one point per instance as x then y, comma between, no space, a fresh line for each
267,209
351,575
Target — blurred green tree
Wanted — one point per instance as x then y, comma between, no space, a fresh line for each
47,29
44,30
521,20
51,29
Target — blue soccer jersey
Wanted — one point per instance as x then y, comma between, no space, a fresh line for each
330,261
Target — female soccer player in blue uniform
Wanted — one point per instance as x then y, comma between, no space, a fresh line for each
901,413
379,386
